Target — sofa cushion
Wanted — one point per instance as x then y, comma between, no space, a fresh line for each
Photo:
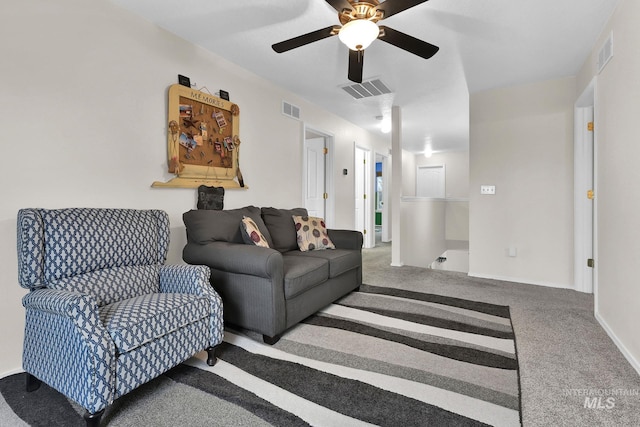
340,260
302,274
136,321
311,233
205,226
281,228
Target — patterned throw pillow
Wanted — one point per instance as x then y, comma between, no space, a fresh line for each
312,233
251,233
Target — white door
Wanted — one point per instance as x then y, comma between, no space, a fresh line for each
584,208
430,181
588,285
314,196
363,216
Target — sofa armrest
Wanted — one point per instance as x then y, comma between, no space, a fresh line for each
85,352
346,239
236,258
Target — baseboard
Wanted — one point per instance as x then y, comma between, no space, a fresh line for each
397,265
11,372
635,363
520,280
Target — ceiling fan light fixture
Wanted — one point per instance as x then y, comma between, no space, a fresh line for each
358,34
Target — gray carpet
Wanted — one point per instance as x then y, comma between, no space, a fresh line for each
563,352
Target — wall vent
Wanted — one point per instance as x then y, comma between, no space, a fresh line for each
606,53
290,110
367,89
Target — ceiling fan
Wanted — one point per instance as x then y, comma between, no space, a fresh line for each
359,29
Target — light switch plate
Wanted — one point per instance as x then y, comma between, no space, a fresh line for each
487,189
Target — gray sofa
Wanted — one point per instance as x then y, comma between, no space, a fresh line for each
268,290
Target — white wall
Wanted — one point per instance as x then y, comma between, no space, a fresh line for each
83,107
521,141
617,108
422,230
408,174
457,192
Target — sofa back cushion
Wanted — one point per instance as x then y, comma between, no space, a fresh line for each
281,227
206,226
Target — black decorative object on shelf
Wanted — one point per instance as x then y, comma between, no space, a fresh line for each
184,80
211,198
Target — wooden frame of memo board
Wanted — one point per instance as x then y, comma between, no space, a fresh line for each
203,141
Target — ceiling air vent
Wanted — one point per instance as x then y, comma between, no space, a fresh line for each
367,89
290,110
606,52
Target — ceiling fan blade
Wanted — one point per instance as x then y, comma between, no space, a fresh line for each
356,64
304,39
391,7
407,42
340,5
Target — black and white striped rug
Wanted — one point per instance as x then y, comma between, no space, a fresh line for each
381,356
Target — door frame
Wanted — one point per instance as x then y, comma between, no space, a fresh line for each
583,105
329,143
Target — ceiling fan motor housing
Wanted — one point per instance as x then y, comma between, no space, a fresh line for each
361,10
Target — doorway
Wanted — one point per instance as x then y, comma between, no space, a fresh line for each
585,258
316,171
382,204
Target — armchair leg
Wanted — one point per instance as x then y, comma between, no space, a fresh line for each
211,356
32,383
93,420
271,340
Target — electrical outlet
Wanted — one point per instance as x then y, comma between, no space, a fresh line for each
487,189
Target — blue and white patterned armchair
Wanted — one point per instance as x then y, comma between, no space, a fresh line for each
104,314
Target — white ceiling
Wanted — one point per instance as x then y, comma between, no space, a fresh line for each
483,44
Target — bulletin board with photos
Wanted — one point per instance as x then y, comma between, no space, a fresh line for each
203,141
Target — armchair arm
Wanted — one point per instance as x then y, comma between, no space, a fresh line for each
67,346
236,258
346,239
194,280
184,279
